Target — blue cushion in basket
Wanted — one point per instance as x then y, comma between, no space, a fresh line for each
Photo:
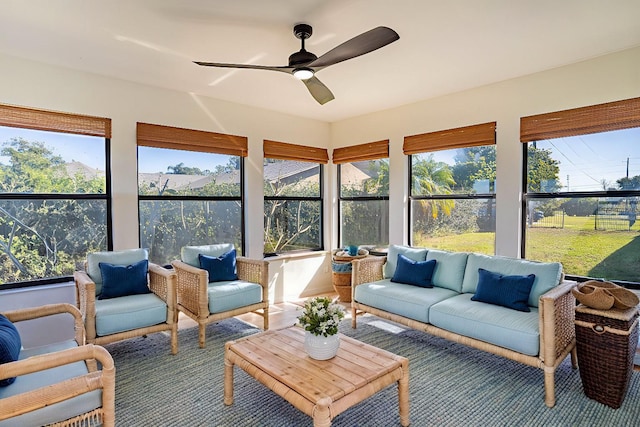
10,345
507,291
418,273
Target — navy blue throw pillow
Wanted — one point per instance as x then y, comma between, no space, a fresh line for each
10,345
417,273
220,268
507,291
123,280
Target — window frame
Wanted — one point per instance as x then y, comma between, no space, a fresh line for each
60,122
167,137
610,116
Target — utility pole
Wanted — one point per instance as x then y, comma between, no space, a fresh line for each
568,189
627,168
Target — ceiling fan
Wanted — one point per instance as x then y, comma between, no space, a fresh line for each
303,64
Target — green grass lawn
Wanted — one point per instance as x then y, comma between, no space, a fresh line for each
581,249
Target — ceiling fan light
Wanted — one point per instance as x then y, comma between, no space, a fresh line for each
303,73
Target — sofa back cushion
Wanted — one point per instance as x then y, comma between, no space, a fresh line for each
189,254
414,254
450,268
548,274
125,257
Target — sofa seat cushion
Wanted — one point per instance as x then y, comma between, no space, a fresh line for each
548,274
405,300
232,294
501,326
59,411
127,313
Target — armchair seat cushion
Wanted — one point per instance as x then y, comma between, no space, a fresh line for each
130,312
57,412
229,295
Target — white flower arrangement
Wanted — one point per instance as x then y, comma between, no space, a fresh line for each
321,316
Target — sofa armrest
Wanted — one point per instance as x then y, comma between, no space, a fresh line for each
24,314
367,270
191,288
103,379
556,317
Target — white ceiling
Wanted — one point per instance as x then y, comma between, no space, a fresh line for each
444,46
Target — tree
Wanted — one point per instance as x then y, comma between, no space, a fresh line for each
181,169
627,183
474,164
543,171
431,178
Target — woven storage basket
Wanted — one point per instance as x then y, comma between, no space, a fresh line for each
606,344
342,279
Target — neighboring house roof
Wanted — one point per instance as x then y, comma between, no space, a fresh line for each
281,170
74,168
352,174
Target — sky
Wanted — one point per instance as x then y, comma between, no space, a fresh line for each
584,160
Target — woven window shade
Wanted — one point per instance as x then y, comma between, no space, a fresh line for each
31,118
356,153
468,136
158,136
580,121
303,153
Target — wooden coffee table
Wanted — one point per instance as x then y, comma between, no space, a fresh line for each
320,389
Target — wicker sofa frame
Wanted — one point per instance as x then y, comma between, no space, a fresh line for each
96,379
193,299
162,282
556,324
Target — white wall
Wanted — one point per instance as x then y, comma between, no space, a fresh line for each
608,78
603,79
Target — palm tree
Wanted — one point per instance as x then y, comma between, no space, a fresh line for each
430,177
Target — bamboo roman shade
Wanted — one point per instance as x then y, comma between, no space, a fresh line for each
158,136
580,121
303,153
468,136
31,118
357,153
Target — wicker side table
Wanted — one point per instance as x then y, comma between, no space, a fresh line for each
341,272
606,342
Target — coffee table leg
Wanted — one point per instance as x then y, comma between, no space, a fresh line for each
228,380
322,414
403,395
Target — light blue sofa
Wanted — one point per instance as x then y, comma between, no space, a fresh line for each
542,337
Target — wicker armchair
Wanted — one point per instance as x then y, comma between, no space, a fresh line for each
110,320
58,384
201,300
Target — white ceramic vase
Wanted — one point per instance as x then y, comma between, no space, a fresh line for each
319,347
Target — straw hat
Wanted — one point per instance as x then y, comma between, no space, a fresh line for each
604,295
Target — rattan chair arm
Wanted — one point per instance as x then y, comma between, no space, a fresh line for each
86,295
103,379
191,288
31,313
162,282
367,270
556,321
253,270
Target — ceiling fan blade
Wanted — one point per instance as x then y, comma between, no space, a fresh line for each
359,45
284,68
318,90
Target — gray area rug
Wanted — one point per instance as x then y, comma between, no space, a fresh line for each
450,385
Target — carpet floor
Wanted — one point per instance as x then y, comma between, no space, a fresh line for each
449,385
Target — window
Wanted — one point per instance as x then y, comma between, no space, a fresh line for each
363,208
452,182
292,197
190,189
582,181
54,194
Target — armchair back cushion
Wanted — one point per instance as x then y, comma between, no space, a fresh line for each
126,257
548,274
189,254
10,345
